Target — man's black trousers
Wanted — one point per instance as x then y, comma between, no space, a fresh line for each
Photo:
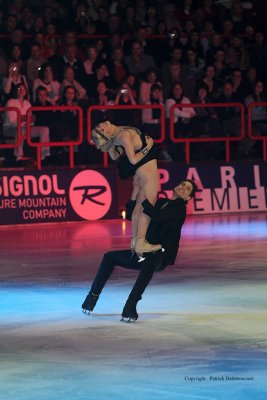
124,258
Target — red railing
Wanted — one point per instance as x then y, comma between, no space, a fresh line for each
68,143
128,107
188,140
262,137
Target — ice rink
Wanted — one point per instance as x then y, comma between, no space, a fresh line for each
202,327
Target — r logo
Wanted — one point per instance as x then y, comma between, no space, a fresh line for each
90,195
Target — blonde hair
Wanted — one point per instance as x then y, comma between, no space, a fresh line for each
104,138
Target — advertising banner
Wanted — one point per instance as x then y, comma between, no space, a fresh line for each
222,188
76,195
56,196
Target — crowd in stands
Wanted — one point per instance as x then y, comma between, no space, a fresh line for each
99,52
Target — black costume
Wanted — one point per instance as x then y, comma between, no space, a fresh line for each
127,169
167,219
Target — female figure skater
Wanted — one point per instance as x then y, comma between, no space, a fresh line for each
135,155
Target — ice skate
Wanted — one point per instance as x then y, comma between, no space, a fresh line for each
89,302
142,247
129,313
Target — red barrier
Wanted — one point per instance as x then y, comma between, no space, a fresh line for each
68,143
18,138
128,107
263,138
188,140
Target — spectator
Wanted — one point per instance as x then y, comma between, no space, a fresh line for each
38,25
101,98
101,49
211,82
70,39
251,78
171,17
159,48
26,20
48,16
140,35
138,62
208,8
151,116
176,39
132,82
114,42
227,31
46,80
182,115
15,57
176,56
258,53
69,59
151,17
118,68
124,97
81,17
129,24
69,80
12,80
259,112
215,44
195,43
43,118
34,63
114,24
102,22
10,124
221,67
199,20
239,24
10,24
69,119
194,64
40,39
239,84
237,55
90,59
101,73
16,39
145,86
176,75
206,35
205,123
229,116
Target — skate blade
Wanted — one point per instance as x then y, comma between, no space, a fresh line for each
86,311
142,258
128,320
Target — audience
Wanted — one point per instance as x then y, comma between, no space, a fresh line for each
199,44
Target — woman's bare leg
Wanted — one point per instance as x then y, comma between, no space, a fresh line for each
148,175
137,196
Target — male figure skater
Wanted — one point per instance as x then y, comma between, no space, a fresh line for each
167,219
